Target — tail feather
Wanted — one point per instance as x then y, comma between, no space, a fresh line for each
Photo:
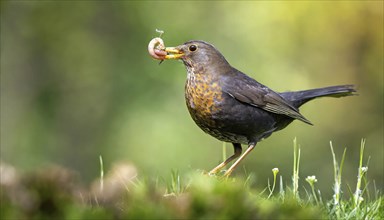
298,98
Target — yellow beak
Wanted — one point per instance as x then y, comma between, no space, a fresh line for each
173,53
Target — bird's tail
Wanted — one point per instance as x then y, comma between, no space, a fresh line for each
298,98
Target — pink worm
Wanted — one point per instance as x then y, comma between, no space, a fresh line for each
156,48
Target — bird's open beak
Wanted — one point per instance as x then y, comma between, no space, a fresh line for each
173,53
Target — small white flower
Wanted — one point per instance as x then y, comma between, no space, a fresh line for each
364,169
275,170
311,179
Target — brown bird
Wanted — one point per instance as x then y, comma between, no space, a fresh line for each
233,107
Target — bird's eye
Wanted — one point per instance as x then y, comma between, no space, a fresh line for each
192,48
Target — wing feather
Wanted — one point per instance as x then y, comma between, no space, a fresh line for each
251,92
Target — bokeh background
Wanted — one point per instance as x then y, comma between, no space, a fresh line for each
77,82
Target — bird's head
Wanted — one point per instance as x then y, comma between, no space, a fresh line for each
196,53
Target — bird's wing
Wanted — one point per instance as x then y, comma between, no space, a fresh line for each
249,91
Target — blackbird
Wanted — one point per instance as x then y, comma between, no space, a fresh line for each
233,107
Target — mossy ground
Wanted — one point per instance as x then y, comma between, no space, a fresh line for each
56,193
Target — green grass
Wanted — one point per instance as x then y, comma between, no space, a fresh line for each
121,194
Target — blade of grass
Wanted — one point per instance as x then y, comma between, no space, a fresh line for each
296,167
362,170
101,173
224,151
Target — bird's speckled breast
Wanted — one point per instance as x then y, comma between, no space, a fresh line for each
202,93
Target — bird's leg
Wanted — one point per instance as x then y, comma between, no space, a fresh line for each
234,165
237,152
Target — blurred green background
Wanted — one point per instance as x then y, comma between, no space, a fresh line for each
77,82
